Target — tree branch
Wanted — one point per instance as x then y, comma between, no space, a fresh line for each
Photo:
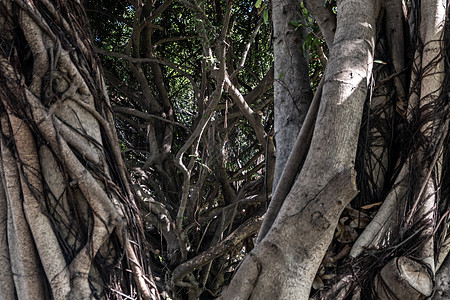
247,229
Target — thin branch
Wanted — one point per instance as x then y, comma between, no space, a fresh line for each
249,114
151,60
173,39
247,229
216,96
145,116
247,49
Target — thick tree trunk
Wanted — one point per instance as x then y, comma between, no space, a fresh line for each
283,264
416,190
66,205
287,168
292,91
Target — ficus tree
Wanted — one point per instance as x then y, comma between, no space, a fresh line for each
69,224
380,136
76,224
354,205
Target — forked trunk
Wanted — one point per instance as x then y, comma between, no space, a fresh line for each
283,264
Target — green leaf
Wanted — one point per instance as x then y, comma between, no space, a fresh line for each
305,48
296,23
308,44
305,13
258,3
266,17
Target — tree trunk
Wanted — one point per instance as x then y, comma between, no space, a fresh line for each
292,97
292,91
283,264
69,225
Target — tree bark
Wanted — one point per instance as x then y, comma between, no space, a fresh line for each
292,99
283,264
292,91
325,18
70,210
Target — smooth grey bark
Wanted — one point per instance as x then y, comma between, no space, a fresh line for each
283,264
324,17
292,166
292,92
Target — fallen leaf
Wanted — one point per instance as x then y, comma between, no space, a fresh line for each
318,283
328,276
346,234
360,223
369,206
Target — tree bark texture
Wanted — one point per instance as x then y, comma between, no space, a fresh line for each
283,264
325,18
288,169
292,99
404,145
69,226
292,91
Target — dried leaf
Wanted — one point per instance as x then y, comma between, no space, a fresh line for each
360,223
354,213
369,206
400,107
328,276
329,261
321,270
318,283
342,220
339,229
343,253
346,234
